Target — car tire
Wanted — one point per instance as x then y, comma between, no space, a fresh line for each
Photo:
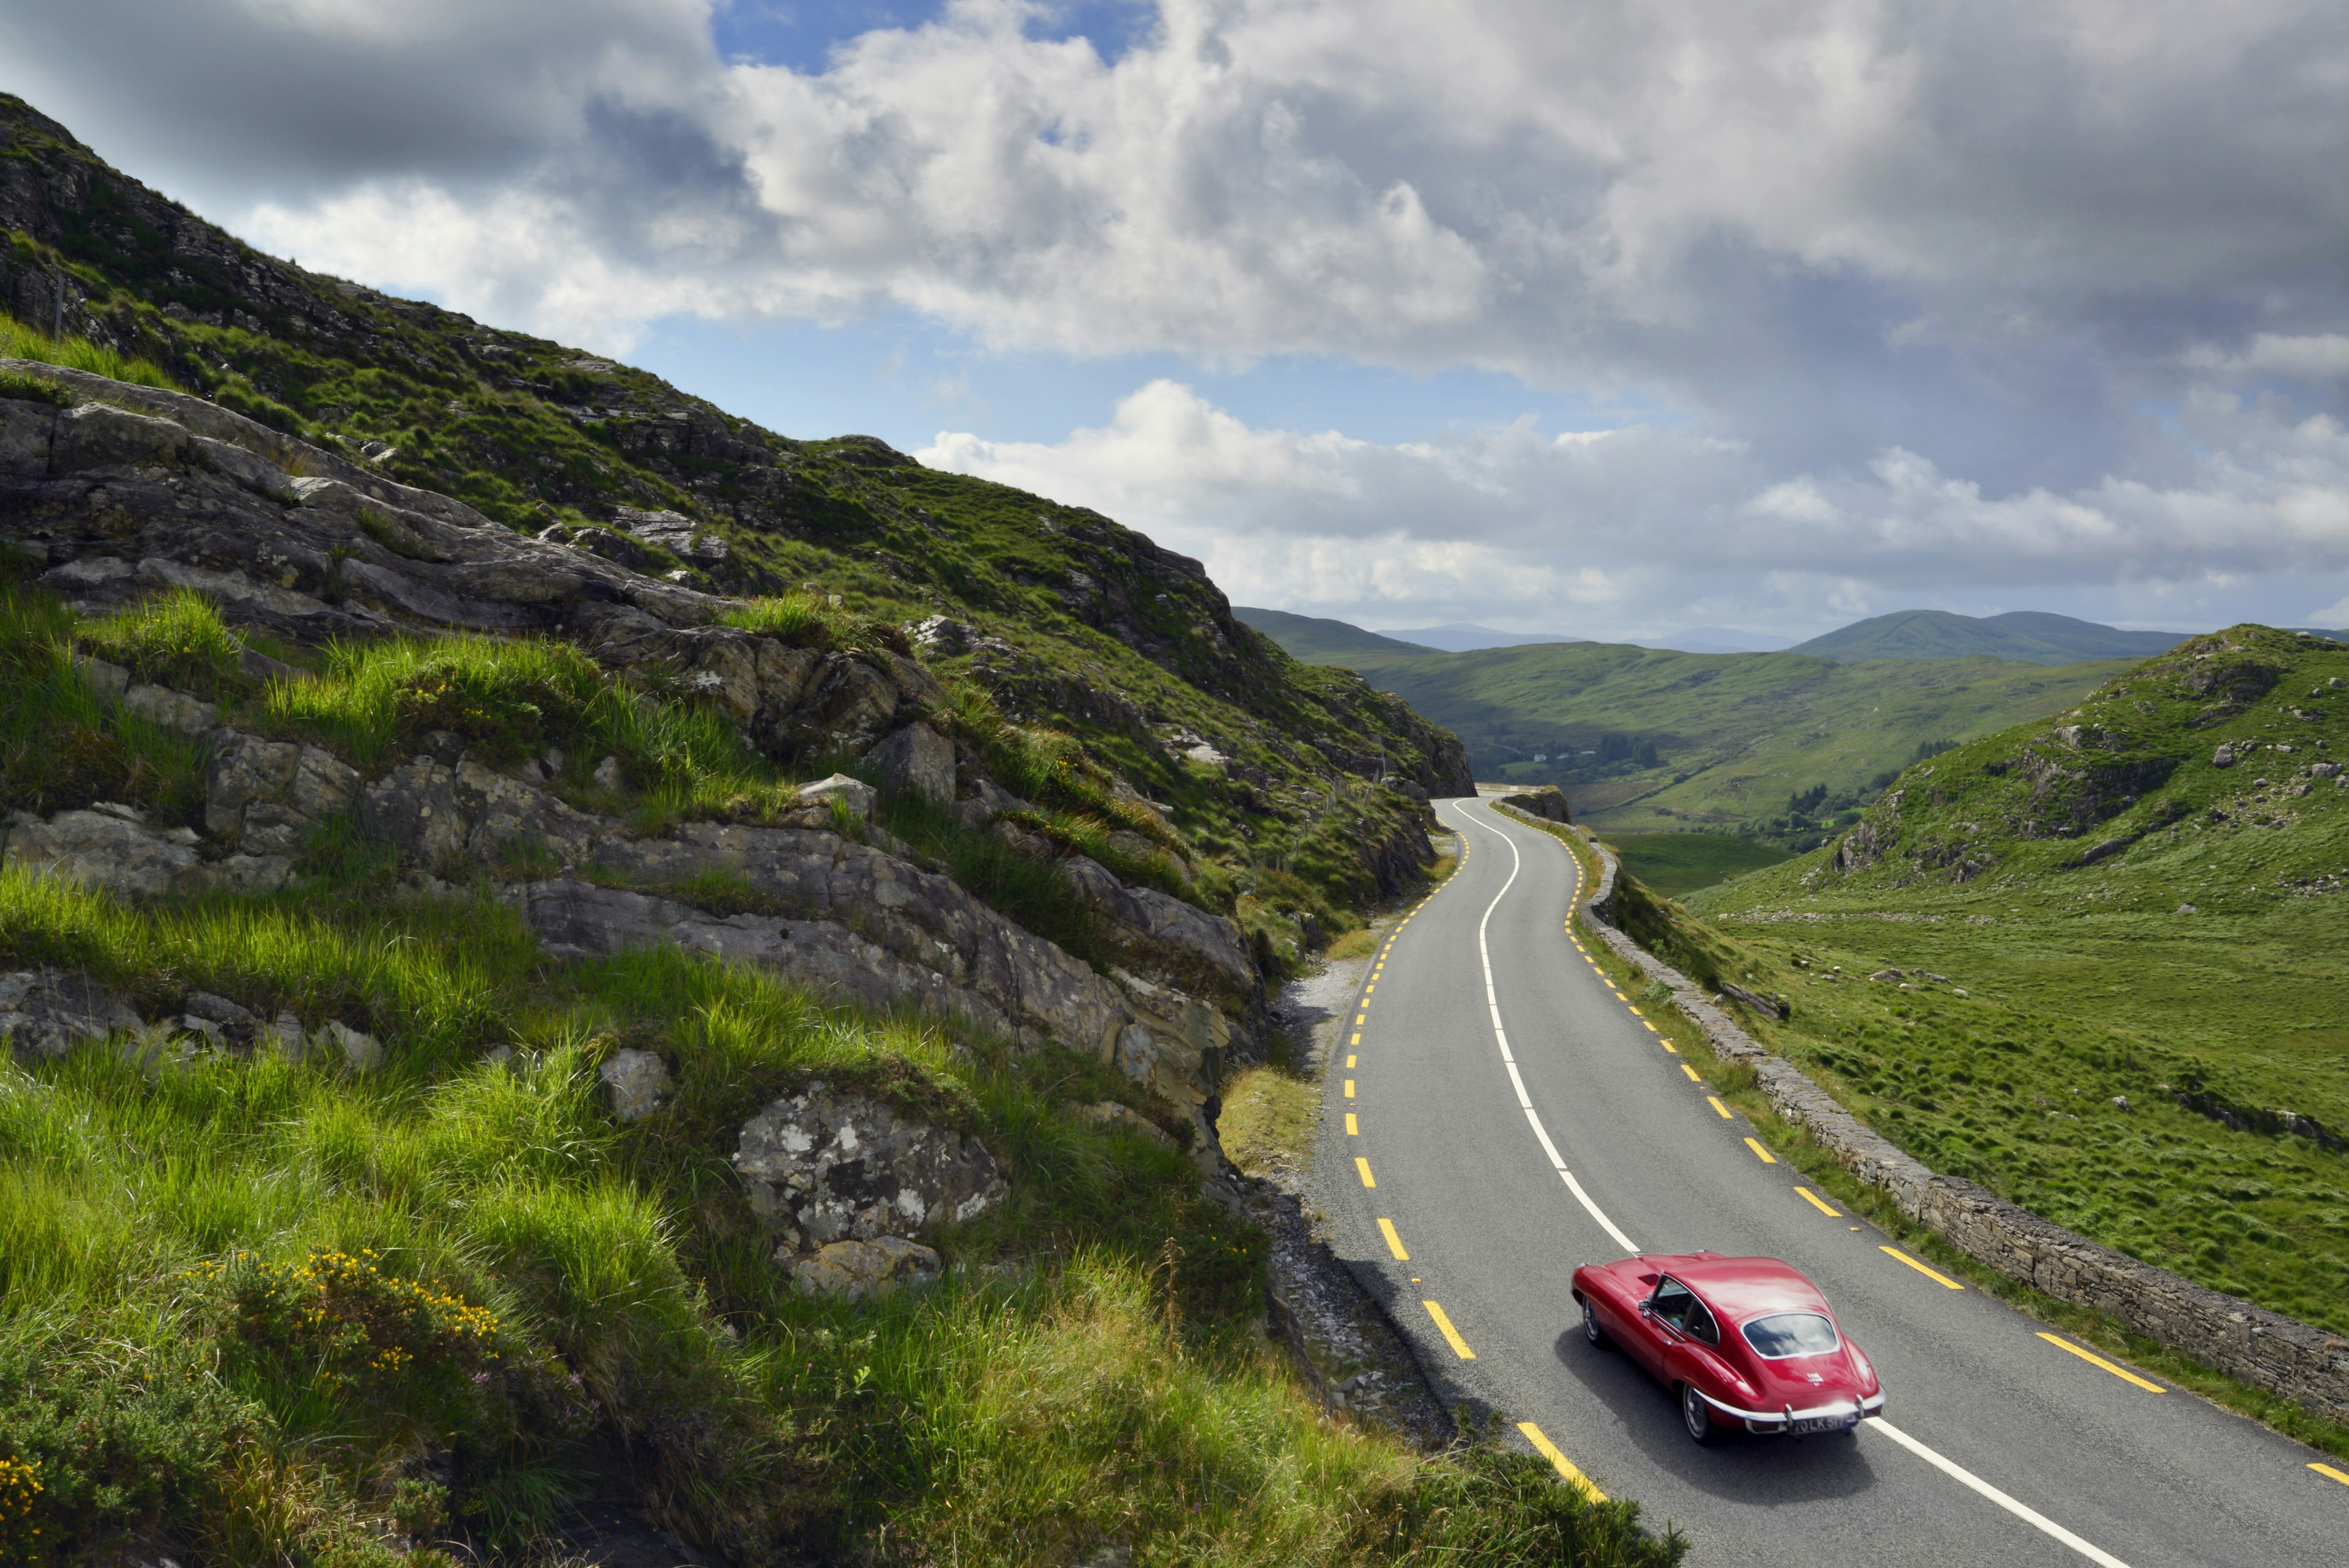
1696,1416
1591,1329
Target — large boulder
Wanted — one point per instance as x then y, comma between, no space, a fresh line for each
46,1013
917,759
822,1166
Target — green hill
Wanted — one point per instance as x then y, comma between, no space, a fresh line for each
1780,746
2035,637
2145,896
1319,642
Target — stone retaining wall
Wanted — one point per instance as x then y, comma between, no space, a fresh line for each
2265,1349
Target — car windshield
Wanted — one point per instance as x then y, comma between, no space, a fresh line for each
1787,1333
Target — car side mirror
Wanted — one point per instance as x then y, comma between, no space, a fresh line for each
1647,1309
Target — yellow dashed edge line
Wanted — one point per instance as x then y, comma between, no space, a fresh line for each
1929,1273
1394,1242
1816,1202
1364,1166
1451,1335
2341,1476
1715,1102
1563,1466
1763,1154
1691,1074
2091,1358
1351,1129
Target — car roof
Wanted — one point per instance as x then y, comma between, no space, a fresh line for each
1743,1288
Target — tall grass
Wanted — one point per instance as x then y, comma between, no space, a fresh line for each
18,341
61,745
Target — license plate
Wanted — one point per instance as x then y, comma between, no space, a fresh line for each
1824,1424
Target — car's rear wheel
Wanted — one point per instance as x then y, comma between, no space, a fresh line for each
1697,1416
1591,1329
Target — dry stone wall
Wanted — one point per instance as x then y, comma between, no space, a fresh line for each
2269,1351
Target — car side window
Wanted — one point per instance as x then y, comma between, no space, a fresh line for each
1700,1323
1671,1303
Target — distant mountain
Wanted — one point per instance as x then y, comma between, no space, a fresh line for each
1319,642
2034,637
1457,638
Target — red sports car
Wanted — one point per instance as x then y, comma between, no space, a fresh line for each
1743,1342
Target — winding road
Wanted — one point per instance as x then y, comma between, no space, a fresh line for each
1499,1113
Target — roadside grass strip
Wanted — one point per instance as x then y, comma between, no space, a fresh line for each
2092,1359
1930,1274
1565,1467
1451,1335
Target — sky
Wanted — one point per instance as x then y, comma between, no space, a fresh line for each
1609,319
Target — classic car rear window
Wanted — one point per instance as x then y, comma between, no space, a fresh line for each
1786,1333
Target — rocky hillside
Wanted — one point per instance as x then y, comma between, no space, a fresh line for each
1271,770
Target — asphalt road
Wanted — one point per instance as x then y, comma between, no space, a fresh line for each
2085,1466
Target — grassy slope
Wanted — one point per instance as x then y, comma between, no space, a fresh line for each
1320,642
273,1313
538,434
1740,733
1678,863
2037,638
2085,983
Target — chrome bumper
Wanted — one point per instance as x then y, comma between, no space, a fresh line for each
1768,1421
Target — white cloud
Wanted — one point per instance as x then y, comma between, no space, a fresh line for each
2314,357
1642,526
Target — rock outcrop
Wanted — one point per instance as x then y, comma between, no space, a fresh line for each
823,1166
46,1013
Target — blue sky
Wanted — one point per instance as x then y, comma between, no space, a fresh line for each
1608,319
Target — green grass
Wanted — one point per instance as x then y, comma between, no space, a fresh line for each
205,1269
1677,862
18,341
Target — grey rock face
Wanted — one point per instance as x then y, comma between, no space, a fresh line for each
108,850
820,1167
437,812
574,918
637,1082
295,539
267,796
46,1013
916,759
1163,937
858,1271
173,711
2224,757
